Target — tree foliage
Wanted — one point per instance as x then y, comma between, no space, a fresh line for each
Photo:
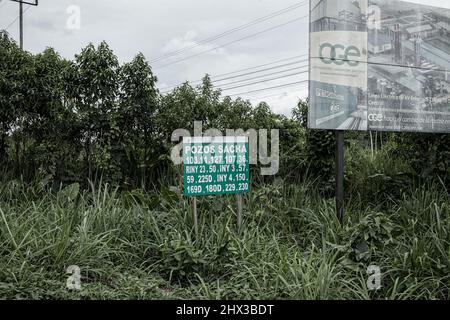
94,119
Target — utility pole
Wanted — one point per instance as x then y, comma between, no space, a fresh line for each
21,3
21,24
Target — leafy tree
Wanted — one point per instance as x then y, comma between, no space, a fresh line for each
187,104
138,104
234,114
94,88
51,126
16,72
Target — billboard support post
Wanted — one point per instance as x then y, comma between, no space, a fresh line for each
340,175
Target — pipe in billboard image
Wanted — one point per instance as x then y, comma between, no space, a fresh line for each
379,65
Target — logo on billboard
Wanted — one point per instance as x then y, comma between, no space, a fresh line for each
339,58
339,54
375,117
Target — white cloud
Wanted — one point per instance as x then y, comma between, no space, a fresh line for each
178,43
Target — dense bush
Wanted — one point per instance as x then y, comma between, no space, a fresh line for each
428,154
92,119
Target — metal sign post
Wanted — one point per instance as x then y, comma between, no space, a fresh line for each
195,215
239,213
340,175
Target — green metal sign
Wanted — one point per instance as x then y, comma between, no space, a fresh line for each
216,165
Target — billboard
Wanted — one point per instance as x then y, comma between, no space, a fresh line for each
379,65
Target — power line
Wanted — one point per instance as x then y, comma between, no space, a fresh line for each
293,84
269,88
254,78
251,73
237,71
15,20
272,95
382,64
263,81
231,31
232,42
258,71
210,39
264,75
263,65
252,98
265,89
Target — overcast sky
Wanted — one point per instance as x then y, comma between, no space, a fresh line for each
158,27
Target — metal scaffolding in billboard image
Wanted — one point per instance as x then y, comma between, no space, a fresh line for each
379,65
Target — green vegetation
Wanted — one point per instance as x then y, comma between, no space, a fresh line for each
86,175
136,245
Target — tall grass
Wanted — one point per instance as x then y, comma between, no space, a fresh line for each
142,245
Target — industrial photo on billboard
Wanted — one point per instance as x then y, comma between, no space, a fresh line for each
379,65
338,64
409,65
